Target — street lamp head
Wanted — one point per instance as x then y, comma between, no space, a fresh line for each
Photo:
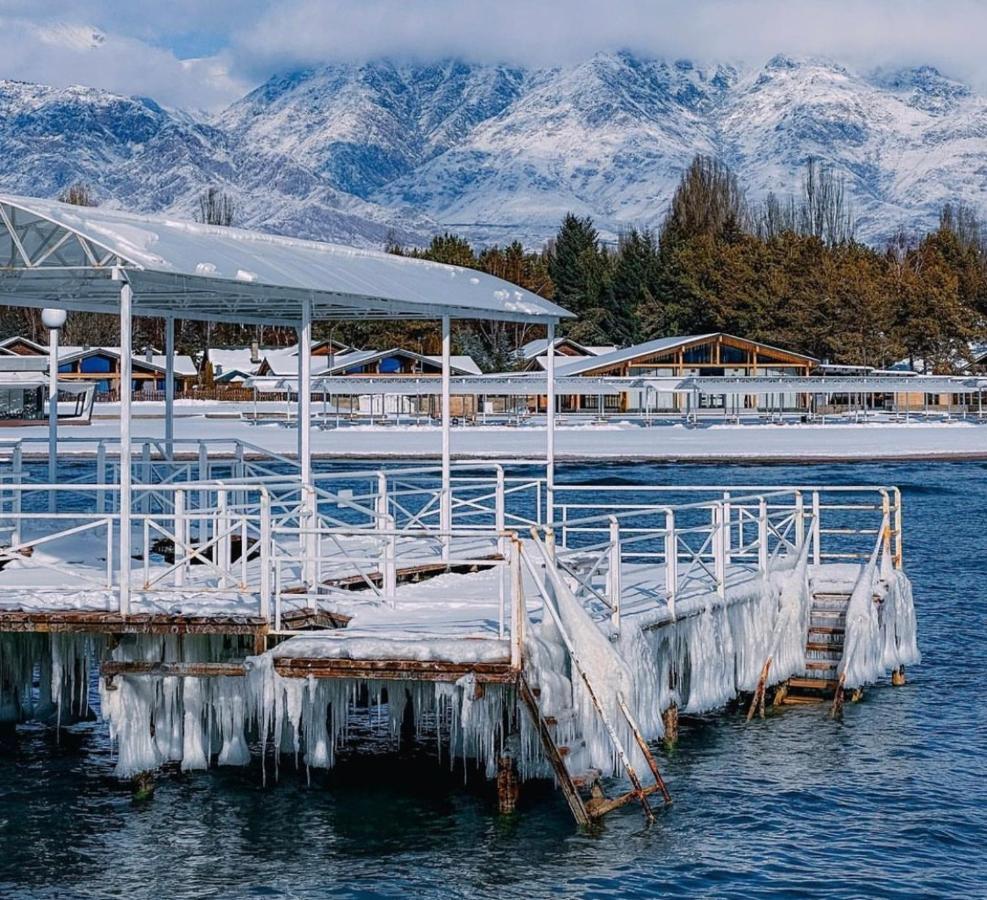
53,318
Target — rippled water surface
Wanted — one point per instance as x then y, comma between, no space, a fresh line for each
889,802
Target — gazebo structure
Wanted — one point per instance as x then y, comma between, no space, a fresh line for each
96,260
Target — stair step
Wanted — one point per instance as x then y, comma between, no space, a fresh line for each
826,629
830,595
802,699
587,779
828,613
832,651
819,664
813,684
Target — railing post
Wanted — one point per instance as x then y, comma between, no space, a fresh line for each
265,554
100,476
17,462
614,575
389,563
499,500
727,514
517,605
719,551
671,559
181,537
380,502
762,535
897,529
203,494
799,521
816,532
221,547
146,476
885,521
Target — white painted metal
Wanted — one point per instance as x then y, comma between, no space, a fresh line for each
170,386
305,443
126,383
550,429
52,414
445,501
217,273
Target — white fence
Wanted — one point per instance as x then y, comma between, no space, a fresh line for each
258,541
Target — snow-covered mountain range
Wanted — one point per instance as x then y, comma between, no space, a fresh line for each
357,153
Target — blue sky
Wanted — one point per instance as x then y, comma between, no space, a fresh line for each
205,54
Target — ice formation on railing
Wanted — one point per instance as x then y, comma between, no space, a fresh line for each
714,647
881,632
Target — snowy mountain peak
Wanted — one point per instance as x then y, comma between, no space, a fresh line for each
361,152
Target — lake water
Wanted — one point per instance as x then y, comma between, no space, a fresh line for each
889,802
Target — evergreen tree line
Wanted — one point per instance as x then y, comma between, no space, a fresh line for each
788,271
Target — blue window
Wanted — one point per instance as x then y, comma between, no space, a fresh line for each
96,364
390,364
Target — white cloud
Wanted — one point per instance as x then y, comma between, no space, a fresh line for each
62,53
947,33
247,40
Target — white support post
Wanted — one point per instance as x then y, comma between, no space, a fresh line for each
816,549
550,431
101,476
52,415
126,383
799,520
671,560
719,552
181,537
727,525
614,575
445,497
762,535
310,538
265,554
170,387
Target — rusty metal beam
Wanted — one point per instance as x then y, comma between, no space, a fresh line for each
394,669
88,622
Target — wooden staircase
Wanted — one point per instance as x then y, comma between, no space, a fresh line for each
823,651
584,791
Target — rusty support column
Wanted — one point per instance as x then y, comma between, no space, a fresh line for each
670,719
898,676
508,785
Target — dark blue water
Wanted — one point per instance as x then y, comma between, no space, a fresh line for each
889,802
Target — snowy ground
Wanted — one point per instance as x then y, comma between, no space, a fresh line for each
848,441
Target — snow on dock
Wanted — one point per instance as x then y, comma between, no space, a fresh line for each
540,650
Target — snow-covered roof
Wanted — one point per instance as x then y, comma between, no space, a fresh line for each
64,255
184,365
650,348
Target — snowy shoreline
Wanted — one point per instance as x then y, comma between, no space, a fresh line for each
808,443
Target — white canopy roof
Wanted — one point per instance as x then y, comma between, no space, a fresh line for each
55,254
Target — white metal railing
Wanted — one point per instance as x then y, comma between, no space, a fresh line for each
262,535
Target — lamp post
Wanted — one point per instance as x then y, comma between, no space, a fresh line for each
53,320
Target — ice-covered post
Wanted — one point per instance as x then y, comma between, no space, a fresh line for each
305,441
445,496
53,320
126,378
671,559
816,549
170,387
762,535
727,524
799,520
613,575
719,552
550,430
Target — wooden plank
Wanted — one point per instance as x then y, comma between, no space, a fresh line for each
562,775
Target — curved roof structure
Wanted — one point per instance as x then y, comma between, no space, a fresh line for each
55,254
